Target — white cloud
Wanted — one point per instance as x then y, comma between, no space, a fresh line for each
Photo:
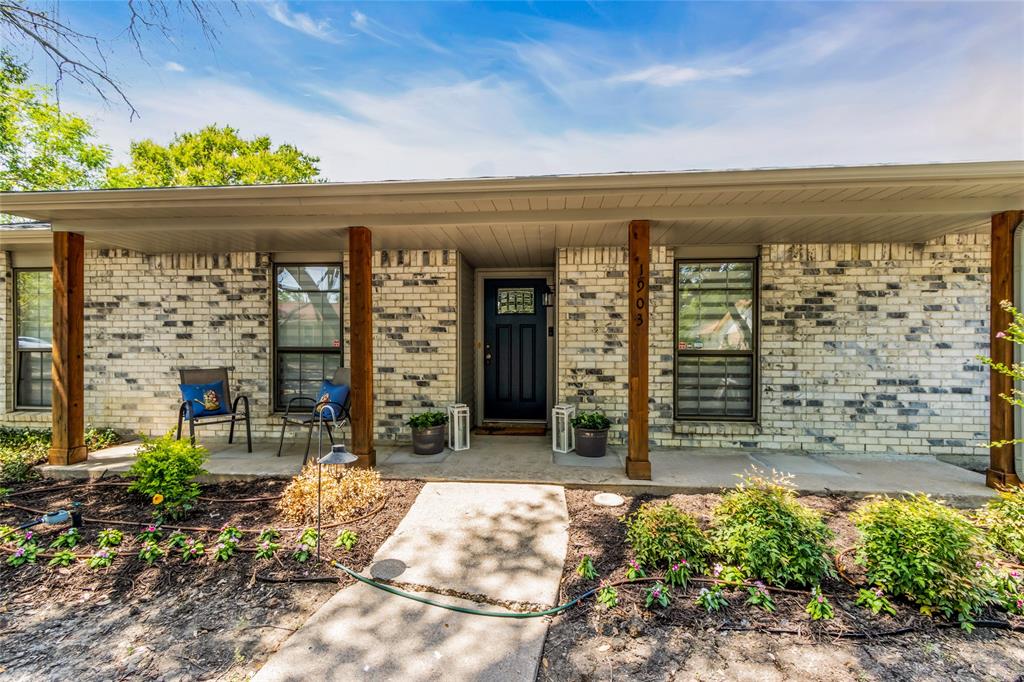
302,22
666,75
362,23
175,67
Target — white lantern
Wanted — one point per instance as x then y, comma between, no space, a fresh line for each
458,426
563,438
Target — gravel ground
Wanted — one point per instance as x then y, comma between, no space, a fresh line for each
685,643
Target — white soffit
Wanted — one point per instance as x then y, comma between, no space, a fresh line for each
518,222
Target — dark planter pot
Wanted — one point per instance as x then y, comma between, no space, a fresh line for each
428,441
591,442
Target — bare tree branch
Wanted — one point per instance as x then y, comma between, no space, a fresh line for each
83,57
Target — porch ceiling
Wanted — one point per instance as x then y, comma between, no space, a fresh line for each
512,222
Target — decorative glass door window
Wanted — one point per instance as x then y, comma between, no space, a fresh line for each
307,328
716,339
517,301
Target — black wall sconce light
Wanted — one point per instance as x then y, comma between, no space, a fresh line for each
547,299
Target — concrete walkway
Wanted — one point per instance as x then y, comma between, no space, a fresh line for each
529,459
483,545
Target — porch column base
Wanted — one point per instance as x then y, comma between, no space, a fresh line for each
638,471
1001,479
366,460
64,456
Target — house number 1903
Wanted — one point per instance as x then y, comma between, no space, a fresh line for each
641,297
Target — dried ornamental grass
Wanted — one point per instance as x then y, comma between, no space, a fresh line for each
344,494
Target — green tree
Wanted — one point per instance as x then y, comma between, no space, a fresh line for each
42,147
216,155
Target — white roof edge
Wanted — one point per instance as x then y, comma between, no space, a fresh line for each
999,171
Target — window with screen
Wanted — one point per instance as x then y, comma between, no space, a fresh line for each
716,340
307,328
33,304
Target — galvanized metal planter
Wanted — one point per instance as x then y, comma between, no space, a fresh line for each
591,442
428,441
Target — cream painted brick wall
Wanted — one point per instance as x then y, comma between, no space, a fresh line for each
865,348
148,316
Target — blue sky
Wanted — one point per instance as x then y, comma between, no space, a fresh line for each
431,90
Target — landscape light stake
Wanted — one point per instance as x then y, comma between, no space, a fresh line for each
336,457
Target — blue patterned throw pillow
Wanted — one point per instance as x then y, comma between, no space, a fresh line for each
330,396
204,400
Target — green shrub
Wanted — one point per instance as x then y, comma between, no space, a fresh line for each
165,471
763,529
590,420
425,420
23,448
98,439
922,550
661,534
1003,522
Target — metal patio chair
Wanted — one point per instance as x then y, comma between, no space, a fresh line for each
305,414
209,376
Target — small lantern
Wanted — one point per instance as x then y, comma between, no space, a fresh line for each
458,426
563,438
547,299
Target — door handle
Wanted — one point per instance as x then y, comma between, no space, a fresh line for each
487,354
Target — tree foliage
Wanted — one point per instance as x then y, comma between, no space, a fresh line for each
215,155
42,147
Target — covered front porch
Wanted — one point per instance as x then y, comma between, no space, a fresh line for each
529,459
610,244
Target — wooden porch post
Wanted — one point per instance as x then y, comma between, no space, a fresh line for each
1002,470
637,464
68,371
360,258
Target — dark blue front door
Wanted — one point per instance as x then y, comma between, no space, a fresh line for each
515,349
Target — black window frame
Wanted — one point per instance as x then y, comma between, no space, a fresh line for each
18,352
277,350
754,353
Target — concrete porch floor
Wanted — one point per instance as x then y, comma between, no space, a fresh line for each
521,459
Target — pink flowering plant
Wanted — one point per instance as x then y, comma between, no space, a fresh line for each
760,597
1009,589
68,539
25,553
110,537
875,601
266,543
711,599
1013,334
193,550
819,608
658,595
678,574
306,546
634,570
150,532
103,558
150,552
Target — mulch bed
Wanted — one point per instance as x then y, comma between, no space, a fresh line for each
173,620
685,642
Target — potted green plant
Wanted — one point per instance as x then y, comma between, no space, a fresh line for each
428,432
591,433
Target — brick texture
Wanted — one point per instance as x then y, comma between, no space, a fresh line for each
148,316
865,348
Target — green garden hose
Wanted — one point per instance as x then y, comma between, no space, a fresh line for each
464,609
